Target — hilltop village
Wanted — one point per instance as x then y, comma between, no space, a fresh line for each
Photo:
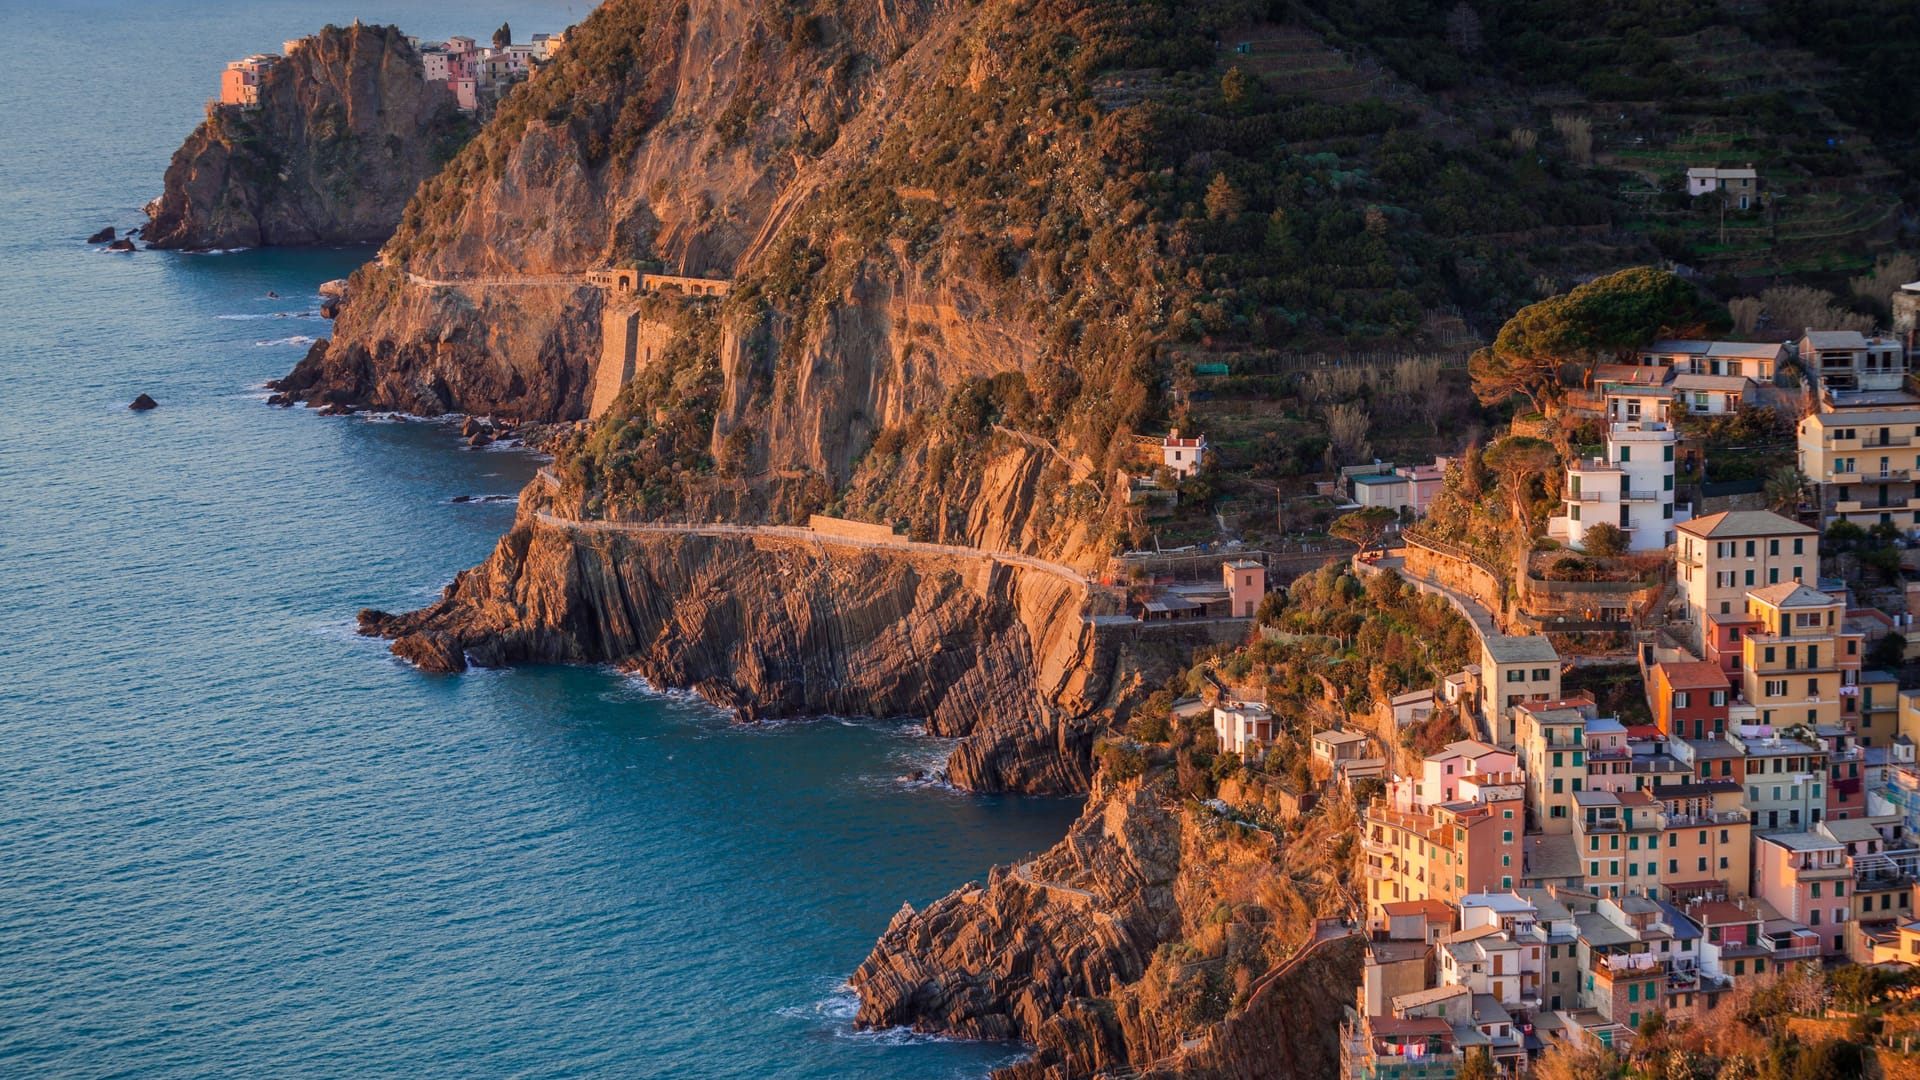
473,72
1681,764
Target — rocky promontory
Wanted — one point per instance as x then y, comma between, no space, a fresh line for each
773,627
345,130
1158,936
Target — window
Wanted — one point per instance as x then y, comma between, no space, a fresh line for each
1749,577
1719,697
1750,549
1797,544
1668,456
1723,580
1626,453
1516,675
1541,674
1773,547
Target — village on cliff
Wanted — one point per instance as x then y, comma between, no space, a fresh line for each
1689,760
1569,872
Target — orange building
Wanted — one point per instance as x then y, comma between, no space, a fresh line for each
1448,851
240,82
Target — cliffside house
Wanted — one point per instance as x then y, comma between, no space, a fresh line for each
1401,489
1848,361
1412,707
1710,395
1741,185
1749,359
1723,555
1183,456
1246,581
1332,747
1242,725
240,82
1864,464
1514,670
1631,487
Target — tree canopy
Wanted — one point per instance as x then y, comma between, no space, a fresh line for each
1364,527
1603,318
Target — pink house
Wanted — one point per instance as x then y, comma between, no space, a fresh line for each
1805,876
1440,776
1246,581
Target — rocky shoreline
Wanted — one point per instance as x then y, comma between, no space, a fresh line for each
772,628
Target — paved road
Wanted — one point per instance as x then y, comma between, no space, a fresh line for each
532,280
795,532
1479,616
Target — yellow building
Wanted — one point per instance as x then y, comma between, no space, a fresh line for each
1447,852
1865,463
1673,842
1513,670
1792,667
1721,556
1550,737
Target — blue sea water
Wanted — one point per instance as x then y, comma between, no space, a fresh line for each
236,840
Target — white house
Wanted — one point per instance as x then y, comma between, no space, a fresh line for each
1712,395
1755,360
1183,456
1741,185
1631,487
1241,724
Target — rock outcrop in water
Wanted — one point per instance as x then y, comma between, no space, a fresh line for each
346,129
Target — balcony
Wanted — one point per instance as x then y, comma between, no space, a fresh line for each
1593,465
1878,476
1640,496
1861,506
1791,946
1891,440
1702,820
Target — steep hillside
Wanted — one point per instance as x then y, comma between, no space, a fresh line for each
346,129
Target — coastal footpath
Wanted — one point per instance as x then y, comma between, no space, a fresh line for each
329,147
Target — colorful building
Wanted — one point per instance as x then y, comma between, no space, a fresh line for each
1721,556
1794,665
1689,699
1632,488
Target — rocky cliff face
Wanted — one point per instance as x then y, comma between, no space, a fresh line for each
775,627
346,129
1156,936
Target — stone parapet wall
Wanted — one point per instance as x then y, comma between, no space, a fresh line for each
1468,577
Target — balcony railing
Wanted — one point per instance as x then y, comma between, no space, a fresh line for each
1857,506
1790,951
1871,477
1640,496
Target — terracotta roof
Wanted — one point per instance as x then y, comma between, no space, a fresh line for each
1791,594
1696,675
1730,523
1434,910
